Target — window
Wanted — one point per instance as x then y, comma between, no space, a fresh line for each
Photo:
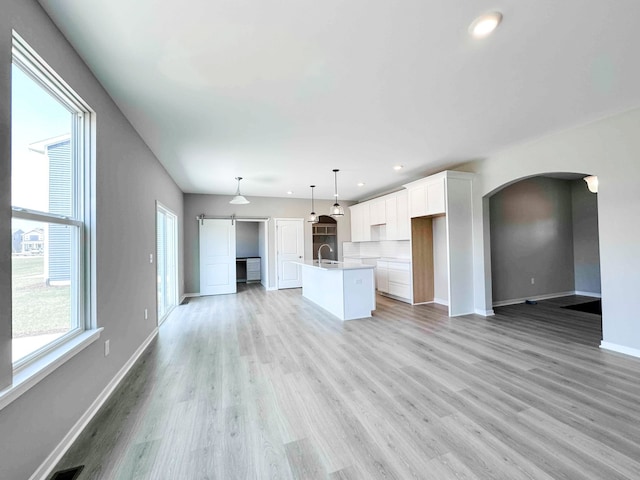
166,255
50,132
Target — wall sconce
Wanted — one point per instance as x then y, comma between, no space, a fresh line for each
592,183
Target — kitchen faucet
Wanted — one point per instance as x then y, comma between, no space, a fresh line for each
320,253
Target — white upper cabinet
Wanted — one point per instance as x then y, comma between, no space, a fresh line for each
390,204
403,219
377,210
387,217
436,197
356,223
427,196
360,224
366,223
417,201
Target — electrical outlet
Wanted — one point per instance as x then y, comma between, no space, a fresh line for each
146,314
151,258
533,281
107,348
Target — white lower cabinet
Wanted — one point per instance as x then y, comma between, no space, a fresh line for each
382,276
394,278
253,270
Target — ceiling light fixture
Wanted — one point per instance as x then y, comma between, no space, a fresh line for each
398,167
336,209
592,183
289,192
239,199
482,26
313,218
361,184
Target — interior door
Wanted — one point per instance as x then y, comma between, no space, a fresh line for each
290,248
217,257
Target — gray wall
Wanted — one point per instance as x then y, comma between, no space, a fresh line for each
247,244
196,204
532,237
129,181
586,250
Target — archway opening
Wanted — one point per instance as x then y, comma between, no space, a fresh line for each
544,243
325,232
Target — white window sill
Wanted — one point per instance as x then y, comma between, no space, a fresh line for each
31,374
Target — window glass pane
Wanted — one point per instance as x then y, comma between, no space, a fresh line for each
41,160
167,235
42,276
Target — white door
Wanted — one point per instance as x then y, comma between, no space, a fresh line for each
290,248
217,257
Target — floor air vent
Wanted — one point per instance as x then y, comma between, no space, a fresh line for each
68,474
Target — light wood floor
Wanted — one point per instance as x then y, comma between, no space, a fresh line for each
265,385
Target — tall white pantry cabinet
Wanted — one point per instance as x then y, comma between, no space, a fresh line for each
441,199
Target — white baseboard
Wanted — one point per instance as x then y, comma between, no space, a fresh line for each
514,301
440,301
588,294
485,313
634,352
44,470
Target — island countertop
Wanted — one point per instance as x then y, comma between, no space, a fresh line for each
333,265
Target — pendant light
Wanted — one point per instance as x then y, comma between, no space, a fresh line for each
336,209
313,218
239,199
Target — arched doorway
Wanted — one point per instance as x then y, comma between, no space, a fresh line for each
325,231
544,241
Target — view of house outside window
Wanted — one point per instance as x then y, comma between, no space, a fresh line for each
44,248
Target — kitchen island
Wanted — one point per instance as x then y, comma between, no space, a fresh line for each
347,290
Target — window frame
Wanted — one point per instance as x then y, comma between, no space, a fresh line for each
80,219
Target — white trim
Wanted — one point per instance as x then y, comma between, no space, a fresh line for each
513,301
44,470
588,294
485,313
31,374
440,301
634,352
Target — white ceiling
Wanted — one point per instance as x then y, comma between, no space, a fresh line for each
281,92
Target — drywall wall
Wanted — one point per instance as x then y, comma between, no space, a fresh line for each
129,180
196,204
586,250
610,149
247,244
532,238
440,267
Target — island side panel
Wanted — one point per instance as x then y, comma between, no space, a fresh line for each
359,293
325,288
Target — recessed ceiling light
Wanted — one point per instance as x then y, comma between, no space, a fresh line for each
485,24
398,167
289,192
361,184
